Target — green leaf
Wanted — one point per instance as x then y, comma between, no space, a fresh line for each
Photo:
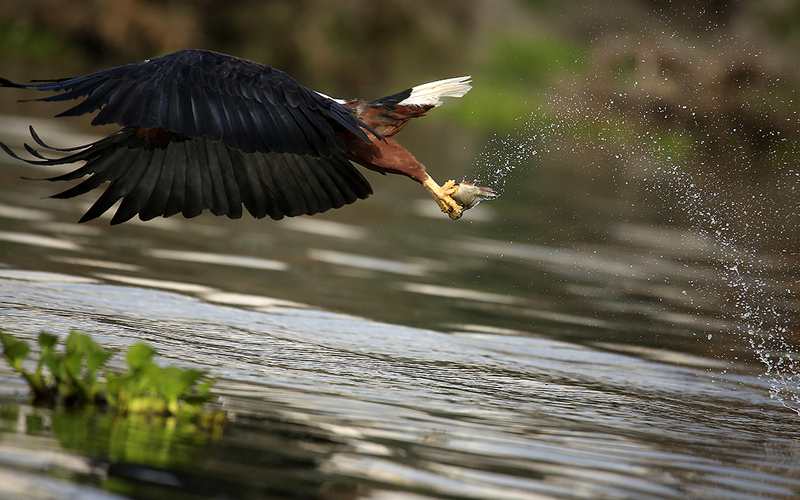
78,343
204,389
172,383
190,377
95,361
14,351
52,361
47,340
73,360
148,378
115,393
139,355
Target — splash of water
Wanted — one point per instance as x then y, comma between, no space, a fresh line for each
758,297
649,140
499,159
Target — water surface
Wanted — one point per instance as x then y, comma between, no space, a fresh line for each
384,351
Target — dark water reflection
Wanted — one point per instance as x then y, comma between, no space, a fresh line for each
383,351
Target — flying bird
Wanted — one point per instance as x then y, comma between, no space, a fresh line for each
204,130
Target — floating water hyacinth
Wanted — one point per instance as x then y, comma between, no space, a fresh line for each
72,377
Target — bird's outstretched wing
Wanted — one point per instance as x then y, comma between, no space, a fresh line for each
203,94
175,173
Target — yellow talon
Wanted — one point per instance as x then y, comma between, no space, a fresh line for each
450,187
454,198
443,196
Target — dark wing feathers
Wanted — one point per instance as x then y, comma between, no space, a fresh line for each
138,189
204,94
96,98
227,199
119,97
185,191
156,202
234,133
186,195
122,182
179,174
119,160
146,111
290,200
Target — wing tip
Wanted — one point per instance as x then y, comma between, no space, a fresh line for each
9,83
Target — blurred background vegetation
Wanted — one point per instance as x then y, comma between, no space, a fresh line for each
621,86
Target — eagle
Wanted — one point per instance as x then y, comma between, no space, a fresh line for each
204,130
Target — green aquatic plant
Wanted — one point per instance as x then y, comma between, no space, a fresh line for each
147,387
70,377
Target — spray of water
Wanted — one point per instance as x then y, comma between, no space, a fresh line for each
500,157
695,144
759,291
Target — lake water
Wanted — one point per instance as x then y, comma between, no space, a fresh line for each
382,351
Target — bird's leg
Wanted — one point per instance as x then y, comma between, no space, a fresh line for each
388,157
444,197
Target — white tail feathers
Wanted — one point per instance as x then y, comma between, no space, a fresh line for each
430,94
